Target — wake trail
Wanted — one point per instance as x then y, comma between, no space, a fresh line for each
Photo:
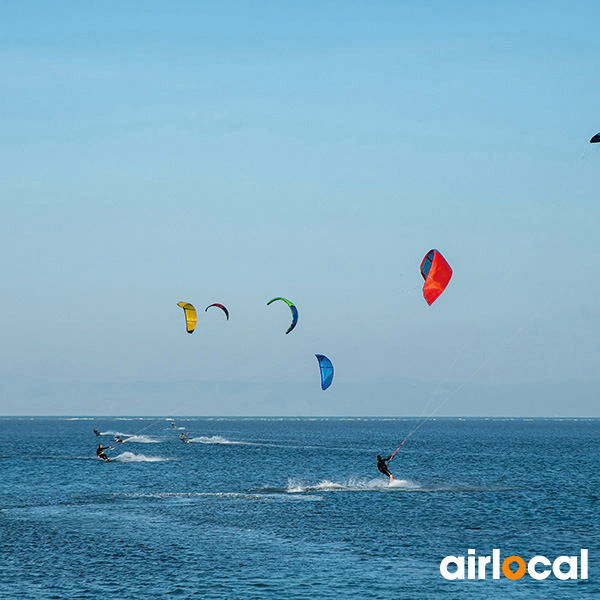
130,457
217,439
349,485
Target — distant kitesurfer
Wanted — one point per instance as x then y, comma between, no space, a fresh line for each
100,452
96,432
183,437
383,468
119,439
173,425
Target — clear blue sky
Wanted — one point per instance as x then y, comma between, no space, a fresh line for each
231,152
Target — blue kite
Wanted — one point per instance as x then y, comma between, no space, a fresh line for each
326,368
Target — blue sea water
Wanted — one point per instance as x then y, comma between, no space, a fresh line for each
292,508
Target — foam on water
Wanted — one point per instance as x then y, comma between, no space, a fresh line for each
349,485
131,457
216,439
379,485
253,496
185,495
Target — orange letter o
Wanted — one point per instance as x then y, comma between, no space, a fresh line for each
519,572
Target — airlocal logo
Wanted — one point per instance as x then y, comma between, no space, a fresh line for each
538,567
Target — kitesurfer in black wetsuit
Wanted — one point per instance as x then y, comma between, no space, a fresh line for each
100,452
96,432
383,467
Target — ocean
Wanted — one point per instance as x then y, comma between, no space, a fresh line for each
267,508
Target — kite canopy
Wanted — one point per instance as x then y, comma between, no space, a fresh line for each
219,306
326,368
436,273
292,308
190,316
595,139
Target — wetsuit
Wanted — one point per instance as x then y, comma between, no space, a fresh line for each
383,467
100,453
183,438
96,432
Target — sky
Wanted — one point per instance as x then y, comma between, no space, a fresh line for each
232,152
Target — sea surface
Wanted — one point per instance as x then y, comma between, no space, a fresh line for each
272,508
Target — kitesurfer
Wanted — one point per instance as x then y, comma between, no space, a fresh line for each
183,438
96,432
100,452
173,425
118,439
383,468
